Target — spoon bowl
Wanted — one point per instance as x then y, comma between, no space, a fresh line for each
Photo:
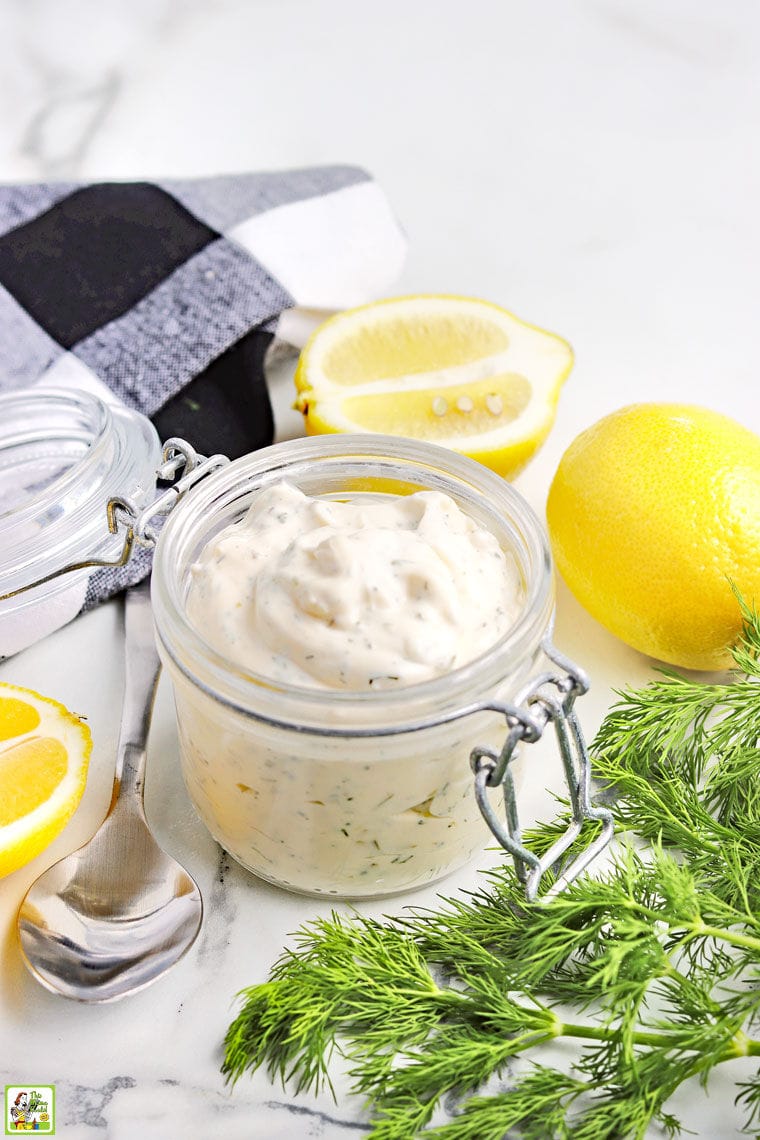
113,916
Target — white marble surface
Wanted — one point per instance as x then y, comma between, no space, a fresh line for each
592,165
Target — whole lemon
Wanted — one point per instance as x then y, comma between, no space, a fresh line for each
653,512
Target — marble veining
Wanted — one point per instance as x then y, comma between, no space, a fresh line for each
123,1102
90,1106
322,1120
219,900
57,137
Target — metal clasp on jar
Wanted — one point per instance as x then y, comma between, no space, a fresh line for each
182,467
550,697
186,467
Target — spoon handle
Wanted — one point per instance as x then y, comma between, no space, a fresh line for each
142,667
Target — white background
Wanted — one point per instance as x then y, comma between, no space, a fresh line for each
591,165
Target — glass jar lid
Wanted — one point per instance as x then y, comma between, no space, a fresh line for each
63,455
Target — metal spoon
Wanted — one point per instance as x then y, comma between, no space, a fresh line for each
113,916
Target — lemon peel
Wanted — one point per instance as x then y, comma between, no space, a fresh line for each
654,515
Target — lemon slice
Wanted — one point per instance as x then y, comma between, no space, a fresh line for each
455,371
44,753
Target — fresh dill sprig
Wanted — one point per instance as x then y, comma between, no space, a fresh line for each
648,967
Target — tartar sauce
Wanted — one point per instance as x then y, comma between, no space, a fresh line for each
353,594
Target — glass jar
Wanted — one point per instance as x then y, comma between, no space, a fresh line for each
63,456
349,794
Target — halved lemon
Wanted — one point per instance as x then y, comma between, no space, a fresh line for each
44,754
456,371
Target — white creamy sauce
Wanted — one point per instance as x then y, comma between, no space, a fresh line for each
374,591
364,593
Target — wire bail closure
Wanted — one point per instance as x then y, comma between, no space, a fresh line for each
548,697
180,459
182,463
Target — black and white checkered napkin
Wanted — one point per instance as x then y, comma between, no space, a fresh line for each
177,287
166,295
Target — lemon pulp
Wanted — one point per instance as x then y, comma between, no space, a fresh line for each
44,754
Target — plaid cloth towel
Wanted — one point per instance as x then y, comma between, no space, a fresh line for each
166,295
